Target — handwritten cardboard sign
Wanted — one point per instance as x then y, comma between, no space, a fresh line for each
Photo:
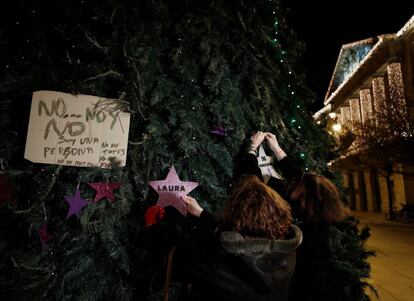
76,130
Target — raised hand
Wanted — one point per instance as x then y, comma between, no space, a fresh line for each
256,140
192,206
274,146
271,141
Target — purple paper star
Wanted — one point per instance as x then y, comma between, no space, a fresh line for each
171,189
76,203
44,236
219,131
104,190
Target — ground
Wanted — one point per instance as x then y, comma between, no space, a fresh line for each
393,266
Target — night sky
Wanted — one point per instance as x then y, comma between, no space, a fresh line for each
325,26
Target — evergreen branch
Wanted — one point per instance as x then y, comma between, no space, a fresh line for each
107,73
113,14
136,143
138,88
242,21
94,41
52,183
68,57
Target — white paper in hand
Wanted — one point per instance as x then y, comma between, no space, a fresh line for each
266,166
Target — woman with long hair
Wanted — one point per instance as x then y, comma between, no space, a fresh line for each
316,204
249,254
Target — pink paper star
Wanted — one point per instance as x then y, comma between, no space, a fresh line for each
104,190
171,189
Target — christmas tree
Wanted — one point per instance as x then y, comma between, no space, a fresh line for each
198,77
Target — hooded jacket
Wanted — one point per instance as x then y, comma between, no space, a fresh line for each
234,267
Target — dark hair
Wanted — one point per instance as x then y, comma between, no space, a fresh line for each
319,199
254,209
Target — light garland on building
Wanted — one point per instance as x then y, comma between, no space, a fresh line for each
378,93
396,85
366,104
406,27
377,47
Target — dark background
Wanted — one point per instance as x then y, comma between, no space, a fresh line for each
325,26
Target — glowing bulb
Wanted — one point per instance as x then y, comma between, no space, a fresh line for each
332,115
337,127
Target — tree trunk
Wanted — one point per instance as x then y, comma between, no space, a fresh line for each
390,196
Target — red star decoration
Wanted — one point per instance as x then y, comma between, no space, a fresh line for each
171,189
104,190
44,236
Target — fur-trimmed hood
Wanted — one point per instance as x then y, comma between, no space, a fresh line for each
234,242
267,264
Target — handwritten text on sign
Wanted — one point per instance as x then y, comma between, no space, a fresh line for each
79,130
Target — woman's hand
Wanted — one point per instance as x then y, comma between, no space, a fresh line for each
256,140
271,141
274,146
192,206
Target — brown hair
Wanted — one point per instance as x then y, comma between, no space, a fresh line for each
319,199
254,209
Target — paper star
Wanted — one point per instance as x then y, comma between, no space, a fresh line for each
171,189
76,203
266,167
44,236
219,131
104,190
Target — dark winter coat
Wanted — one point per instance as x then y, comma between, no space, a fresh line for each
229,266
311,279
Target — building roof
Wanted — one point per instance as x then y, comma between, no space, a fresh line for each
348,61
357,59
407,27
